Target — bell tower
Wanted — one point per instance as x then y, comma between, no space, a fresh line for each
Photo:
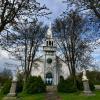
50,68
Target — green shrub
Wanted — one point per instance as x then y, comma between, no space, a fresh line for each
20,83
66,86
19,86
34,85
6,87
94,76
41,87
92,87
3,80
79,85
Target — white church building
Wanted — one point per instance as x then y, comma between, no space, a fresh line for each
50,66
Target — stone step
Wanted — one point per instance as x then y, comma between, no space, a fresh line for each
51,88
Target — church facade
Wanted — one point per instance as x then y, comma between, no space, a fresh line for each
49,66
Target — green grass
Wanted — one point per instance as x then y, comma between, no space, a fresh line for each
64,96
79,96
1,96
97,85
28,97
31,97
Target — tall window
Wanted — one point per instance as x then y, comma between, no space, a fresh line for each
52,43
49,43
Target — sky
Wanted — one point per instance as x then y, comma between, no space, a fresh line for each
56,7
96,55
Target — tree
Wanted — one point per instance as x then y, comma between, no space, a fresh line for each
9,10
6,73
93,5
24,44
5,76
13,9
75,49
25,36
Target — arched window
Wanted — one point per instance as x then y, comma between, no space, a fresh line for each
49,75
49,43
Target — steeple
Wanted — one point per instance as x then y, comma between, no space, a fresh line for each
49,41
49,31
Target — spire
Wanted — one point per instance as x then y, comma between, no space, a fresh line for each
49,31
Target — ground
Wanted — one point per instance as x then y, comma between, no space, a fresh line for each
1,97
31,97
79,96
63,96
52,96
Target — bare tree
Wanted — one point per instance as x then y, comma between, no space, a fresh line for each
75,49
93,5
24,40
24,44
12,9
8,10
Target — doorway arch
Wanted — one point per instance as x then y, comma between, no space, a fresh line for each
49,78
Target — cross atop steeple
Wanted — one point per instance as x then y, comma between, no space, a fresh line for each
49,31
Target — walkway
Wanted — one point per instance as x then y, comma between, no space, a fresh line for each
51,93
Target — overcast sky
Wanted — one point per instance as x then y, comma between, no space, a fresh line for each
56,7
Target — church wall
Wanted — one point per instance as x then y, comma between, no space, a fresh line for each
64,70
39,70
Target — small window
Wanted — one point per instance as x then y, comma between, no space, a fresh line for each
49,43
52,43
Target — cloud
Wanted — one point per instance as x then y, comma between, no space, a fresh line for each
55,6
3,54
96,54
6,61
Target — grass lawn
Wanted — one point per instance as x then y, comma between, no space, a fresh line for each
97,85
31,97
1,96
64,96
78,96
28,97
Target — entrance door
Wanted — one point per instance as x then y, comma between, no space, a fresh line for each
49,79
